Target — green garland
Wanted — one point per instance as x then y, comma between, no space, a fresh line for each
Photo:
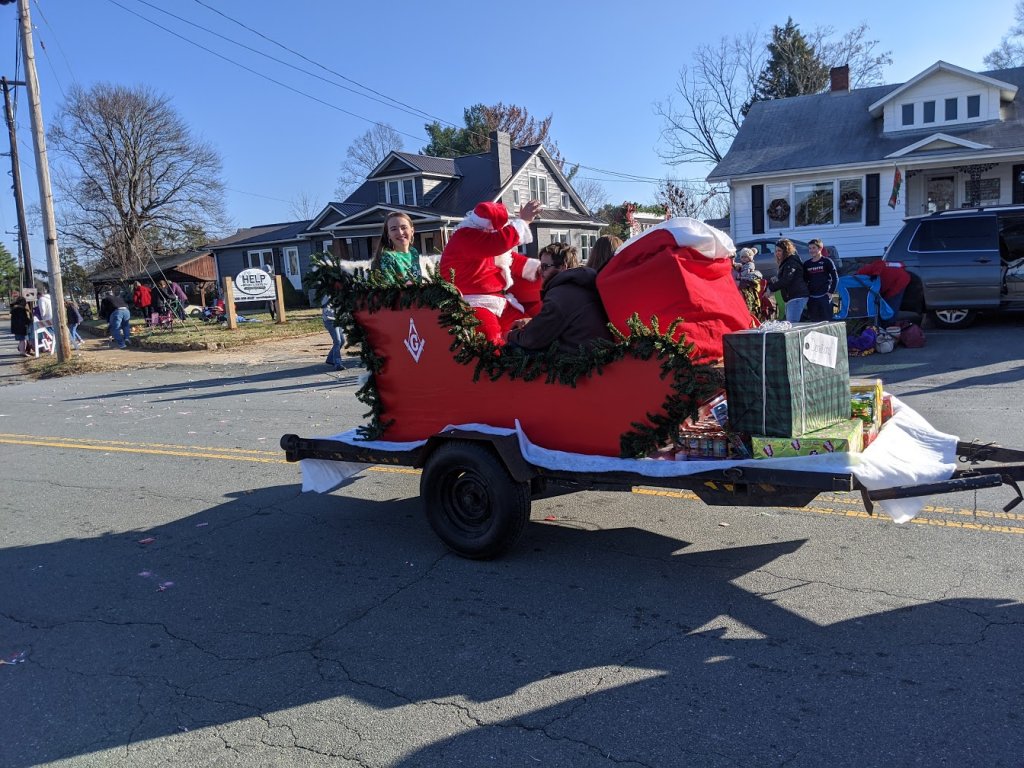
692,382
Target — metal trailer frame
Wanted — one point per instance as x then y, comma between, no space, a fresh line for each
477,487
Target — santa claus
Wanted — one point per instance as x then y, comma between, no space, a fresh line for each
480,253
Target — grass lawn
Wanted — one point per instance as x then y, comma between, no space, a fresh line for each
195,334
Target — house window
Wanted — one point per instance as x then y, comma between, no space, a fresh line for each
559,237
951,109
382,192
260,259
515,197
974,106
982,192
908,114
393,193
929,112
777,211
327,246
814,203
408,192
851,201
565,200
539,189
586,243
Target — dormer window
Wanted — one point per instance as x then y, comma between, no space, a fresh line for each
951,110
929,112
973,106
908,114
397,191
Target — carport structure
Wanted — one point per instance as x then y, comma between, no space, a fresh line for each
195,267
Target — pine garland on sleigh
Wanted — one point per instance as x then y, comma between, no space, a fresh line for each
347,292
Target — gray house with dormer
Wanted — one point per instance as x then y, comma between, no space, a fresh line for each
437,193
848,166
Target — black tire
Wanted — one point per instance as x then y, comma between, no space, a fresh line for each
472,503
953,318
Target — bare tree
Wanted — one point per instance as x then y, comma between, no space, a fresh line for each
1010,52
304,206
590,191
364,154
697,200
703,115
133,177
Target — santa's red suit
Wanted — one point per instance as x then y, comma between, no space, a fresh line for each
478,252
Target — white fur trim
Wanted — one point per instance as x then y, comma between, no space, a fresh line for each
472,221
525,235
428,264
350,267
504,263
531,269
495,304
690,233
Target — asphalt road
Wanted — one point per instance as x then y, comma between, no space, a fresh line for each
168,596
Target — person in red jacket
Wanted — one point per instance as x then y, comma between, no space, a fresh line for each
142,298
484,235
893,277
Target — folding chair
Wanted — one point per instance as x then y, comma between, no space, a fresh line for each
859,298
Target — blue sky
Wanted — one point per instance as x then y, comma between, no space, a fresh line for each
598,66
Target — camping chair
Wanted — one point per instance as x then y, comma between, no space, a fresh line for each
859,298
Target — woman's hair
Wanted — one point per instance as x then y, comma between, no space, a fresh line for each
603,251
788,249
385,241
562,255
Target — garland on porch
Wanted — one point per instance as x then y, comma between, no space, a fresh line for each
692,383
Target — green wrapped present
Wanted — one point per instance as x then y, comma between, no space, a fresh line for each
844,437
787,383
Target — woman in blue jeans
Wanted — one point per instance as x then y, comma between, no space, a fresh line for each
790,280
334,356
115,311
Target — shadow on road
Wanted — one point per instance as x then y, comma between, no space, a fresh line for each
275,600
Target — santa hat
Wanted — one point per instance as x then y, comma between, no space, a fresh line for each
487,216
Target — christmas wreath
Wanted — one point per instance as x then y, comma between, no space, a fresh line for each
778,210
851,201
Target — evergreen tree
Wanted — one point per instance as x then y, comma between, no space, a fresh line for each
794,67
8,270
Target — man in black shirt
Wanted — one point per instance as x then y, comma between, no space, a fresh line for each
821,277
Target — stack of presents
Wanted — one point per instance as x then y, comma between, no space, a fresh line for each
788,393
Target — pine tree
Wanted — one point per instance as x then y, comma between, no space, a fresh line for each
794,67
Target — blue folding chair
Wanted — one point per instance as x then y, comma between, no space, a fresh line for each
860,298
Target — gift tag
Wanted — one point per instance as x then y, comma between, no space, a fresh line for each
821,349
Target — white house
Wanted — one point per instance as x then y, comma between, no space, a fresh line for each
848,166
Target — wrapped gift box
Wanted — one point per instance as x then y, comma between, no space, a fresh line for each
844,437
787,383
866,400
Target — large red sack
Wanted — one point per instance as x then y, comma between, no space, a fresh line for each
679,268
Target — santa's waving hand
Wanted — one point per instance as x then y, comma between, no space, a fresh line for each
484,234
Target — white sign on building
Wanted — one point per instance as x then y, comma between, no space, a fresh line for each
254,285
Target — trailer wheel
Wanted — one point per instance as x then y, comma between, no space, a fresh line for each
472,502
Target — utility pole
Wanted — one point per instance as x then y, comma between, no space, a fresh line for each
45,195
19,201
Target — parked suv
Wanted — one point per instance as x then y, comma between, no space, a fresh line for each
969,261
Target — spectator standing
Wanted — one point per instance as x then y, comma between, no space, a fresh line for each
789,280
142,298
44,307
115,311
337,337
396,255
74,320
21,324
821,277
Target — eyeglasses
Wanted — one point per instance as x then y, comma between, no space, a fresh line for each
544,266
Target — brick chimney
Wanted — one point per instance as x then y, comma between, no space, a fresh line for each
501,153
839,78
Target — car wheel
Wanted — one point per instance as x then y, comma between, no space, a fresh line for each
953,318
472,503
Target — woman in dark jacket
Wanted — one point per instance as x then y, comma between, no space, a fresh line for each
790,280
21,324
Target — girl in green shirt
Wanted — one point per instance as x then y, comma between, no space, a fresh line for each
395,252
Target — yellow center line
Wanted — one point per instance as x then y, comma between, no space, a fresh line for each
165,449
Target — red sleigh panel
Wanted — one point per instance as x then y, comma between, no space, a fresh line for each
422,389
